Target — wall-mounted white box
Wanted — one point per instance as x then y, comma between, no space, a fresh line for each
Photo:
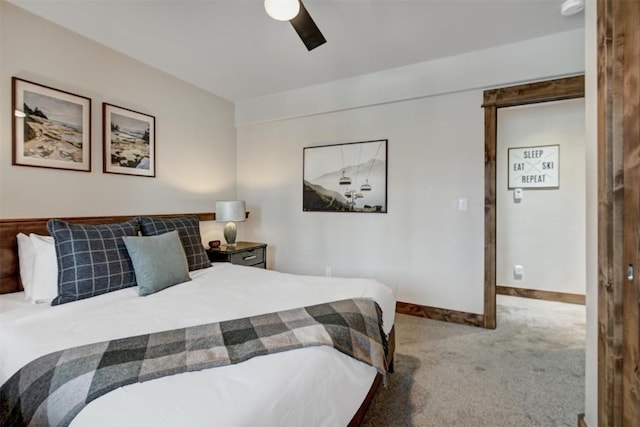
518,272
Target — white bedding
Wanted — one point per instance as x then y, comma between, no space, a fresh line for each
312,386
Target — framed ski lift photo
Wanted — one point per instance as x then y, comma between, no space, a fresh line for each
349,177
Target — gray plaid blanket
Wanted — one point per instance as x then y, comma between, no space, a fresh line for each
51,390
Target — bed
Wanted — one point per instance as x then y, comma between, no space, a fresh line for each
313,385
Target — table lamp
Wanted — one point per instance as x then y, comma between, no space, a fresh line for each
229,211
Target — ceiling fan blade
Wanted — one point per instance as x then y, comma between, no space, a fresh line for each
307,29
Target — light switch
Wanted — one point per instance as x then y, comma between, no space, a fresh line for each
462,205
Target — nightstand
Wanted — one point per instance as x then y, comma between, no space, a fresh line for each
242,253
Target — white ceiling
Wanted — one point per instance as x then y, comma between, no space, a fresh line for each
233,49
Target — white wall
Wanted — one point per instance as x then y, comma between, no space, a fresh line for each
195,134
427,249
422,245
591,116
545,231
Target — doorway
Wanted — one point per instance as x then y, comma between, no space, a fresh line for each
540,201
532,93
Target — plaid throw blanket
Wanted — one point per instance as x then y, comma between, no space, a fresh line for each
53,389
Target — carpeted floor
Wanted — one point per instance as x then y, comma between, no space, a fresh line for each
527,372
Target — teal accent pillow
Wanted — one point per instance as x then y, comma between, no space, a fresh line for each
159,261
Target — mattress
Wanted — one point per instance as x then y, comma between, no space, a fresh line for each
311,386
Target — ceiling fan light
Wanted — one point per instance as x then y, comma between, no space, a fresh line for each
282,10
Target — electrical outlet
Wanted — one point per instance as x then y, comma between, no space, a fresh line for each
327,271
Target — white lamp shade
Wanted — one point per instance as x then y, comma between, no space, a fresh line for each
230,210
282,10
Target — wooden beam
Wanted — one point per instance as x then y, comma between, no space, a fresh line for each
490,147
534,93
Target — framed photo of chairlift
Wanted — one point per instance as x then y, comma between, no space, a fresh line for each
349,177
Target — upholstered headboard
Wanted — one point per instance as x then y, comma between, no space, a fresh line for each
9,228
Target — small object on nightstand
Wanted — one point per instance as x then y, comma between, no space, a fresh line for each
241,253
214,244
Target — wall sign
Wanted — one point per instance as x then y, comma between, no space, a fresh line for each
534,167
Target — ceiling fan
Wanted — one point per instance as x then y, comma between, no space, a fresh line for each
295,12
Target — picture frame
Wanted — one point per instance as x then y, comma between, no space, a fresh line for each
129,141
51,128
534,167
347,177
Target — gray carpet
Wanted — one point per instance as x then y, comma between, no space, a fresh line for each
527,372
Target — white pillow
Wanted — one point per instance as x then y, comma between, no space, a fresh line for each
44,286
26,259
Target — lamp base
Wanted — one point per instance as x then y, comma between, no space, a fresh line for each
230,232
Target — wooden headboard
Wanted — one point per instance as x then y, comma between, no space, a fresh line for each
9,228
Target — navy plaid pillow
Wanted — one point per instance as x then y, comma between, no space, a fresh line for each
189,231
92,259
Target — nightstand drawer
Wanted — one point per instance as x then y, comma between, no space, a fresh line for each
242,253
248,257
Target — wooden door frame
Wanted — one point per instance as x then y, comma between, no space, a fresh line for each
631,213
525,94
618,206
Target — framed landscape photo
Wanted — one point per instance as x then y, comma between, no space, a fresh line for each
349,177
129,141
51,128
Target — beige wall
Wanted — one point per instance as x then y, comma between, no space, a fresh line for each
545,231
195,134
423,247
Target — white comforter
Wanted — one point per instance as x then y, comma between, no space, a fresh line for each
312,386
